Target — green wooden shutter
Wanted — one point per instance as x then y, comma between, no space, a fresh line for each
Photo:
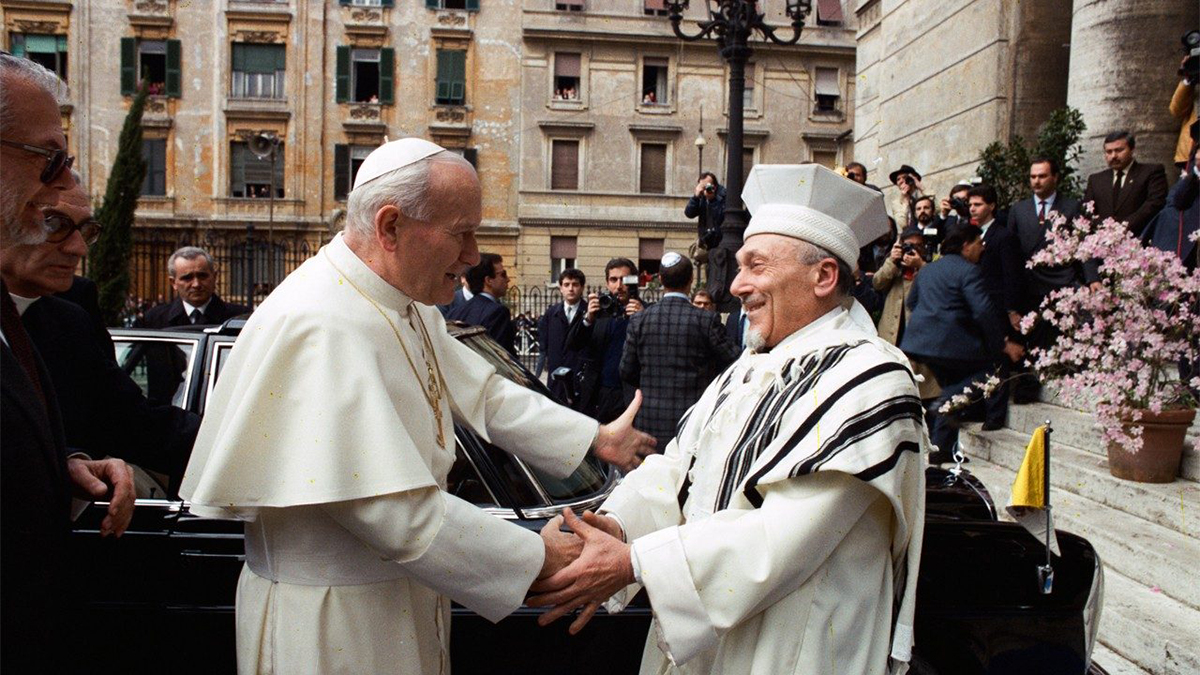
16,44
343,74
433,4
343,2
473,5
128,66
341,171
472,156
458,89
388,3
443,76
387,77
174,69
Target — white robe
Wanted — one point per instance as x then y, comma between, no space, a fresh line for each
318,435
791,544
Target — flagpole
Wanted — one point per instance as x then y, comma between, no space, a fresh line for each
1046,572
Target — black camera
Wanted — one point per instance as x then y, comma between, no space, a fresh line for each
912,183
961,207
610,303
1191,46
710,188
905,249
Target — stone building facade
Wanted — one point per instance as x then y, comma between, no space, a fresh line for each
331,79
940,79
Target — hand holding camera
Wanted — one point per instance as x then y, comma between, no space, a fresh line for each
911,257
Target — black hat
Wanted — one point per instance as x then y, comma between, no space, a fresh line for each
904,168
911,232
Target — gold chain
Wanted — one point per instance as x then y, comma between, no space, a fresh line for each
435,383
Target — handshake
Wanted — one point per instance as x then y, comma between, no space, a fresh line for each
583,567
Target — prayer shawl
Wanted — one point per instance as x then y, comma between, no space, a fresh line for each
318,435
781,530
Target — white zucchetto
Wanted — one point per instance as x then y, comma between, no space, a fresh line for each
394,155
815,204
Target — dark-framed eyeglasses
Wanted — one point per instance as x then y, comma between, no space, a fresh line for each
57,160
59,227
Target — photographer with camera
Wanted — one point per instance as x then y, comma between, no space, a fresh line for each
926,223
1183,103
601,339
893,281
707,204
908,181
954,209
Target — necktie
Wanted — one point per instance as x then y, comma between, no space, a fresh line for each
1117,187
1042,211
196,316
19,342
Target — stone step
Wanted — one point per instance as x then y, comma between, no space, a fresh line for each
1078,429
1172,505
1148,553
1113,663
1144,624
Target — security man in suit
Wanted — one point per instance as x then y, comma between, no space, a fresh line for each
488,282
37,478
1127,191
194,276
601,339
673,350
554,325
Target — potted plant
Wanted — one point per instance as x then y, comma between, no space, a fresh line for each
1122,342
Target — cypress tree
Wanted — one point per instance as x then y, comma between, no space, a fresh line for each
108,258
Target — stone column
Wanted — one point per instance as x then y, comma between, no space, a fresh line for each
1124,58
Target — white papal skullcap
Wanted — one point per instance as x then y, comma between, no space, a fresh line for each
394,155
810,202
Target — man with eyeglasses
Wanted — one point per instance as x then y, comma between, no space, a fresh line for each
37,478
488,282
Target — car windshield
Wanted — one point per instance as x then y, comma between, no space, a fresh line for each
588,478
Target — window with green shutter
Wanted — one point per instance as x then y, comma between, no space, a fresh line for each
342,90
250,177
174,83
346,161
258,70
48,50
469,5
451,77
367,75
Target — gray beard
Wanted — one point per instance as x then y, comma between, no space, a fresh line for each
754,340
12,231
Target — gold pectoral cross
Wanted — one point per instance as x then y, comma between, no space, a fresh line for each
434,393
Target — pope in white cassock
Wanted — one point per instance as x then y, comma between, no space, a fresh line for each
331,434
780,531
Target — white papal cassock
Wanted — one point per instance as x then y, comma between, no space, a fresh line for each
780,532
319,436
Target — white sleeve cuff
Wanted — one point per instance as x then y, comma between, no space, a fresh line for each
686,629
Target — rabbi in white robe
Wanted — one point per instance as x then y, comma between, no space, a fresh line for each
331,433
780,531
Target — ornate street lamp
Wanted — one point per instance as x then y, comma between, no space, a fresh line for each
732,23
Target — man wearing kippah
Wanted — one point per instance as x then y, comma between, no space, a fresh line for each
331,433
673,350
780,532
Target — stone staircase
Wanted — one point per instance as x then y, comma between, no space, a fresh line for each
1148,536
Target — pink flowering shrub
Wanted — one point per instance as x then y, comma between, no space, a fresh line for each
1120,344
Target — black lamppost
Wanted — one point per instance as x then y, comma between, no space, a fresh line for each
732,23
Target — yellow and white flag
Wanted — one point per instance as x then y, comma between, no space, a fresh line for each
1028,501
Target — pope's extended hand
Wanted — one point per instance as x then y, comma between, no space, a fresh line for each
603,568
619,444
562,548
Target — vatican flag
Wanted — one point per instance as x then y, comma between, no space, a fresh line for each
1030,500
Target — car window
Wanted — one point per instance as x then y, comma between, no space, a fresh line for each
588,479
220,356
465,482
161,367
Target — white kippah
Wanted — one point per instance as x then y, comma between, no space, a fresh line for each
394,155
815,204
671,259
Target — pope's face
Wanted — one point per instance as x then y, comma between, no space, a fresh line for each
35,270
433,254
22,193
776,289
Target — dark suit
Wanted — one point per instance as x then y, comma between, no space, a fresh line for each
459,300
1001,267
552,339
1031,238
172,313
83,292
104,412
482,310
733,327
673,350
954,328
35,503
601,393
1143,195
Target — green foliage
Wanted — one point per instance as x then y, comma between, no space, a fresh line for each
108,258
1006,165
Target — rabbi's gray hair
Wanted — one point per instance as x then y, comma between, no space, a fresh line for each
14,69
406,188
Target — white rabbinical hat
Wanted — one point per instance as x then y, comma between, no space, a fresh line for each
394,155
815,204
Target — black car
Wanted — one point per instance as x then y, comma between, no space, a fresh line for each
163,595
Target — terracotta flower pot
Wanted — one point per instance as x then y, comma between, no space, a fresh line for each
1162,448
